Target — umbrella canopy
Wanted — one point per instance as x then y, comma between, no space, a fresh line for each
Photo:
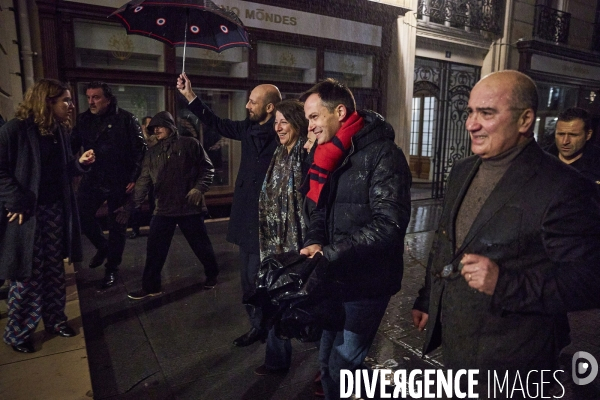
198,23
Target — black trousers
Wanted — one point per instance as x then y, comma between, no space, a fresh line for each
89,199
134,219
162,229
249,266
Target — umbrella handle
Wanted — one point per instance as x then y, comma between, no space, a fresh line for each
185,41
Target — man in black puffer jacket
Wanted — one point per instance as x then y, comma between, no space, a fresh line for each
360,199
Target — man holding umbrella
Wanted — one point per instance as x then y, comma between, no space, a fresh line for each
258,139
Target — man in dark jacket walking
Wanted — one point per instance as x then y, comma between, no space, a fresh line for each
180,171
116,138
360,190
516,248
572,143
259,141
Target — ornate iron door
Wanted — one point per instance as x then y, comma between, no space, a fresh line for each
451,83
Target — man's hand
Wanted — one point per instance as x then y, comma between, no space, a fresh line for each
13,216
311,250
419,319
87,158
480,272
122,215
129,187
194,197
185,87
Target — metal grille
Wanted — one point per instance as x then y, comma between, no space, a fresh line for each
551,24
423,124
485,15
451,84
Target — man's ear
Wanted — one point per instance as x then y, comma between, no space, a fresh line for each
526,121
341,111
589,135
270,108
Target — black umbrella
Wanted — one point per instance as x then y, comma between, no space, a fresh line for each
197,23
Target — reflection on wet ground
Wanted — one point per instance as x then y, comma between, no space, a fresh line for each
425,215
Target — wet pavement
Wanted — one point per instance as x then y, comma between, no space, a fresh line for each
179,345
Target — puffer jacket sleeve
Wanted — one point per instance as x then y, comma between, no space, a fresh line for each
316,232
389,202
207,171
138,146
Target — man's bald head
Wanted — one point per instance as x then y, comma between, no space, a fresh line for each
523,91
262,101
501,113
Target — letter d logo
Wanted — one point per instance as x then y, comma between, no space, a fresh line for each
584,363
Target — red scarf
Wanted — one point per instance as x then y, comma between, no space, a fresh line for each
328,155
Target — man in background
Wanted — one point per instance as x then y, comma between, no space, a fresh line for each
572,143
117,140
181,172
258,141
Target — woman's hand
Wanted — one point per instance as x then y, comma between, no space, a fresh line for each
87,158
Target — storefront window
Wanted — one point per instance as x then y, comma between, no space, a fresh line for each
229,63
224,153
107,46
139,100
286,63
352,69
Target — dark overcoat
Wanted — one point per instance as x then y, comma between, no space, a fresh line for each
588,164
258,144
118,143
20,171
541,226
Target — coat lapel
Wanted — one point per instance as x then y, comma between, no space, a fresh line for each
460,195
518,174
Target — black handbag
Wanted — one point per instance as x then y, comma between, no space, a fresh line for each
297,297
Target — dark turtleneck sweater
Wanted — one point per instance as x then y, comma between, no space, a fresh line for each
487,177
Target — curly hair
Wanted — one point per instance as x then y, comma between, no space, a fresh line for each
293,111
37,104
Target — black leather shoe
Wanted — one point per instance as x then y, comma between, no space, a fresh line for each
25,347
98,258
108,281
253,335
64,331
210,283
134,234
